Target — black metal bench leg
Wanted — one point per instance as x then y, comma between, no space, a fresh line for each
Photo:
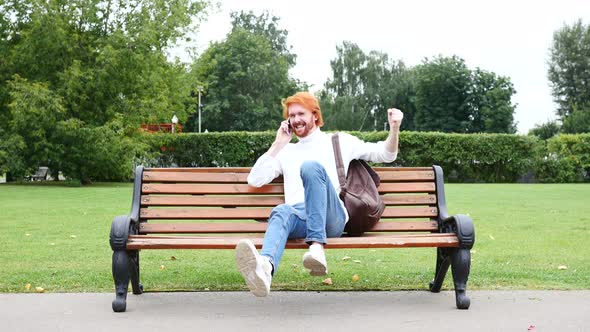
121,275
134,269
461,264
443,260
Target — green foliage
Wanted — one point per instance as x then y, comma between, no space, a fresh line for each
39,135
82,66
546,130
34,114
578,121
362,88
228,149
575,149
569,70
246,75
465,158
490,102
452,98
441,94
96,153
555,170
442,88
102,57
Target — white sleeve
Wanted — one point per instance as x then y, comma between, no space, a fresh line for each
264,171
373,152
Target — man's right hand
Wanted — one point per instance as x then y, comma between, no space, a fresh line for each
283,134
283,138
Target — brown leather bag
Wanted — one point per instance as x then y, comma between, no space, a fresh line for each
359,193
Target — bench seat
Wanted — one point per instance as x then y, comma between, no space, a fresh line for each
213,208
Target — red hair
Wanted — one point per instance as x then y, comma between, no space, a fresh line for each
306,100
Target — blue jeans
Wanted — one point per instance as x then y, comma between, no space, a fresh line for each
319,217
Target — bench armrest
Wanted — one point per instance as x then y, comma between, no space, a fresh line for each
120,229
135,203
461,225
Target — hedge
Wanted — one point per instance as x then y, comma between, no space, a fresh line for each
463,157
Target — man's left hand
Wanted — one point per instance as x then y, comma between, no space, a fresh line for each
394,116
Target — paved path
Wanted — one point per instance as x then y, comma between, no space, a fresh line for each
299,311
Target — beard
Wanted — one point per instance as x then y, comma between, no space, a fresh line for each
305,130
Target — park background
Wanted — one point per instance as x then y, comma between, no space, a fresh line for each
79,79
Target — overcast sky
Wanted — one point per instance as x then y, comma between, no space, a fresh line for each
509,38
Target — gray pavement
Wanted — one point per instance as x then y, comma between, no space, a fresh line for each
299,311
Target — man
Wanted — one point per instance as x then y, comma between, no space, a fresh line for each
312,209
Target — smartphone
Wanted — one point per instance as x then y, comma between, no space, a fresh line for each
289,127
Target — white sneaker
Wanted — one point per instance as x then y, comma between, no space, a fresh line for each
315,261
256,270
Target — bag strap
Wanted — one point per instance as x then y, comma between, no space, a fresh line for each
338,158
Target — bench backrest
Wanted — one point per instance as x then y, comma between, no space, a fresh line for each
41,172
198,194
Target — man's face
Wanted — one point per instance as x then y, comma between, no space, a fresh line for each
302,120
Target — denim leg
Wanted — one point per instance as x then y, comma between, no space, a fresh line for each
285,222
324,214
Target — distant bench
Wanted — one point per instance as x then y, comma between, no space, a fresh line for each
40,175
188,198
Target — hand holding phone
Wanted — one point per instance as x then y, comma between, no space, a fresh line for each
289,127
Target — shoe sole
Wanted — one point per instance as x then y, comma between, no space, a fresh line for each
246,261
316,267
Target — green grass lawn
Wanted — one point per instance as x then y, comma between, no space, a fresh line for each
56,237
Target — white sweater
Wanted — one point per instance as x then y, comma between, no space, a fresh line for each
315,147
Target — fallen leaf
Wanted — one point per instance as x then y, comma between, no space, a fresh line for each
356,261
162,267
294,266
345,258
491,237
355,278
562,267
28,286
39,289
327,281
172,258
73,236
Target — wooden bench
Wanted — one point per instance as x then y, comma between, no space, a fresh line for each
188,198
40,175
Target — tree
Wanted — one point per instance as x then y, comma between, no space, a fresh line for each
545,130
102,57
246,76
362,87
96,61
450,97
569,68
491,105
442,92
268,27
578,121
34,114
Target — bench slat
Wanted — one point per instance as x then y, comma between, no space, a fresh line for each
251,227
264,213
247,169
154,200
196,177
383,241
413,187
